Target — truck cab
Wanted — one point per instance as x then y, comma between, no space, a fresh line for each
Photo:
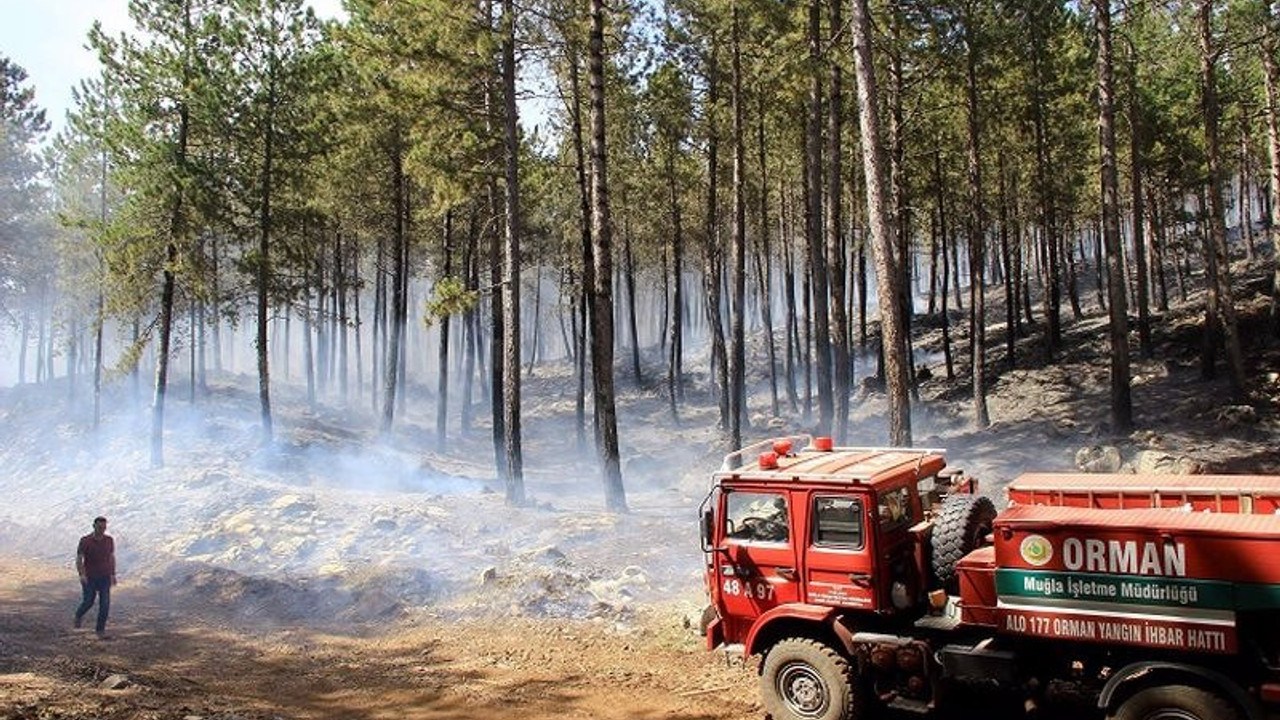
797,526
876,577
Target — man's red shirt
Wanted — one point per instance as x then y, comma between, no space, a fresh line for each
99,555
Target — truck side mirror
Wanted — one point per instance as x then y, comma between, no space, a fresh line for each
708,529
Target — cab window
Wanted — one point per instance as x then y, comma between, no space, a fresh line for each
757,517
895,508
838,522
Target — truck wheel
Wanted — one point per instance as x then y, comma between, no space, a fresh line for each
962,527
803,679
1175,702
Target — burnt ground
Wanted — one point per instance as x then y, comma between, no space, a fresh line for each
340,574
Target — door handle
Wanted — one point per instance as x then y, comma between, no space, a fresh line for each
860,579
785,572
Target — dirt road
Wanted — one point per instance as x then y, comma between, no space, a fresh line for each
195,661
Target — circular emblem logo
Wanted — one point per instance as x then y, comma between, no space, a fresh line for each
1036,550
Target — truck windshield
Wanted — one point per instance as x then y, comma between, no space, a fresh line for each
757,516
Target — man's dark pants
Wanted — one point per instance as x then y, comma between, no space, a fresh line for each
102,588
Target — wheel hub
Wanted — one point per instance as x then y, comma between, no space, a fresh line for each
803,691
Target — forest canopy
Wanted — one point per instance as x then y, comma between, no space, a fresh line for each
767,201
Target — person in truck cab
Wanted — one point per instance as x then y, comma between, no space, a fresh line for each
758,518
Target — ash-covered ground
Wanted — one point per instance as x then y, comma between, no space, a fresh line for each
335,528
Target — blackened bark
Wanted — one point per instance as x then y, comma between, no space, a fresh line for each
1217,256
512,452
442,379
882,232
814,226
392,360
1121,402
835,246
977,234
602,300
737,252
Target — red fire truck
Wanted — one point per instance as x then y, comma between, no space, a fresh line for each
867,577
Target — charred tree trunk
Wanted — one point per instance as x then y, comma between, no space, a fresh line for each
588,270
737,252
602,297
1271,74
1217,257
892,325
1138,225
675,248
392,360
764,269
814,226
711,247
835,246
442,378
1121,402
512,453
977,236
177,228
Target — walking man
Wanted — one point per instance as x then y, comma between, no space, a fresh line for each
96,563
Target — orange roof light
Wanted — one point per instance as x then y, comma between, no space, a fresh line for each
822,444
782,447
768,461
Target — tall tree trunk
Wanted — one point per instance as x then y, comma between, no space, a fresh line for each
263,276
835,246
977,234
602,308
1271,74
392,360
882,231
343,286
901,201
789,288
1217,257
675,247
764,269
355,310
1245,195
814,226
470,268
1052,292
1137,141
711,244
737,253
442,377
1121,402
629,275
308,355
99,314
588,263
513,454
176,230
1010,278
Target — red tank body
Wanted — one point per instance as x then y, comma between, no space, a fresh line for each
1156,578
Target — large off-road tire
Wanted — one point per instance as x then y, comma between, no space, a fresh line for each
803,679
1175,702
962,526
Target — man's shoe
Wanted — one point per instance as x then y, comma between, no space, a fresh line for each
77,621
102,635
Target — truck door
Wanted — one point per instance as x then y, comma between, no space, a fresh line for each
839,567
756,568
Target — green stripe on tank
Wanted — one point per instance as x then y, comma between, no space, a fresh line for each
1127,589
